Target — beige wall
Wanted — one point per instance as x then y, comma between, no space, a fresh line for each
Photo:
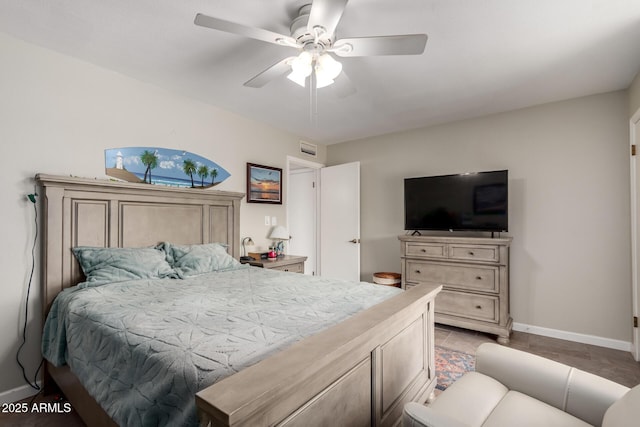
568,201
58,115
634,95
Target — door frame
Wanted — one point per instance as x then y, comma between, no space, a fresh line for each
635,239
315,166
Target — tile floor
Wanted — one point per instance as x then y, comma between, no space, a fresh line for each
615,365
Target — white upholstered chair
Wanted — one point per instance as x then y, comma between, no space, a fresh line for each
515,388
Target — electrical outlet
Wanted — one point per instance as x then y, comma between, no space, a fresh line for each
267,220
274,220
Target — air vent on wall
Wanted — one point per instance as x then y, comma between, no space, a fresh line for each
308,148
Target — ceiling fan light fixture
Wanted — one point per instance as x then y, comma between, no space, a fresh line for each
301,68
327,67
298,78
302,64
323,81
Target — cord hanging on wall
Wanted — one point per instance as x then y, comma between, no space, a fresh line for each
34,383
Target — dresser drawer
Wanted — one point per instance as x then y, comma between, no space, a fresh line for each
470,306
292,268
474,252
427,250
470,277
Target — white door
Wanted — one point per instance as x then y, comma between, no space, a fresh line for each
635,229
302,213
340,221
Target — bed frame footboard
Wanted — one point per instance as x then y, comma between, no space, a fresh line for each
359,373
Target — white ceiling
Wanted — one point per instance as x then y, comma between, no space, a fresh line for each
482,56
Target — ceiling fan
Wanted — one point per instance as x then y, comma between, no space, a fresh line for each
313,35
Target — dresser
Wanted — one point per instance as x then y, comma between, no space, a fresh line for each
474,274
291,263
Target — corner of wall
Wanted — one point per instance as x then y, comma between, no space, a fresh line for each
634,95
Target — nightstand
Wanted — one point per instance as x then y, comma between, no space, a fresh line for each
290,263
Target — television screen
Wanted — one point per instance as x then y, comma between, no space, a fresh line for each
470,201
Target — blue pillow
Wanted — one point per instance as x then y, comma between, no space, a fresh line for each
108,265
191,260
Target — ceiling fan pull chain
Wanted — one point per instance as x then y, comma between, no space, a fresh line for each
313,100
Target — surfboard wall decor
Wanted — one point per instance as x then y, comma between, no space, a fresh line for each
163,166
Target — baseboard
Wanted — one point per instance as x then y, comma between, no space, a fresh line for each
573,336
17,393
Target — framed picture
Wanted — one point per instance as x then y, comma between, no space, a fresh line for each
264,184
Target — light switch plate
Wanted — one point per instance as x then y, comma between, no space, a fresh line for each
267,220
274,220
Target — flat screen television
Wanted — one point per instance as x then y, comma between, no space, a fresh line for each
469,201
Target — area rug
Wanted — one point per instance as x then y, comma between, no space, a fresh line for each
451,365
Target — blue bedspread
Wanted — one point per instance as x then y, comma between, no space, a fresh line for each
143,348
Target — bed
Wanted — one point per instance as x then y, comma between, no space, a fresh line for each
360,371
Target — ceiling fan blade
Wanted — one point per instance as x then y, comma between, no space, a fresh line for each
326,14
273,72
243,30
408,44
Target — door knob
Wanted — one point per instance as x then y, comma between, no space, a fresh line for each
354,241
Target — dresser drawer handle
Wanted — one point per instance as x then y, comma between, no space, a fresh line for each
471,253
423,250
418,271
479,307
478,277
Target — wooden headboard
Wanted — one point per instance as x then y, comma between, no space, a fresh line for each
86,212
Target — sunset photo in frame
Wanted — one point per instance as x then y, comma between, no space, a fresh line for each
264,184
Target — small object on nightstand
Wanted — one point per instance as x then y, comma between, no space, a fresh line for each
246,241
259,255
279,233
